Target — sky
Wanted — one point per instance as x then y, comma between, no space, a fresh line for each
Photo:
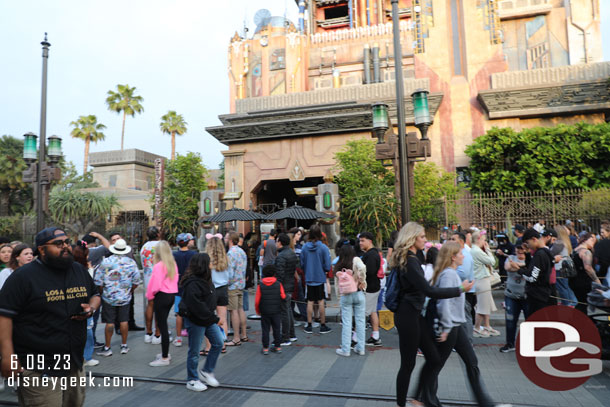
173,51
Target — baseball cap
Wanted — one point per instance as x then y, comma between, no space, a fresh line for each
529,234
549,232
48,234
520,228
184,237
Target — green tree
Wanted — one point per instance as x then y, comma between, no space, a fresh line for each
541,158
12,166
221,177
368,200
185,178
79,212
432,186
124,100
89,130
172,124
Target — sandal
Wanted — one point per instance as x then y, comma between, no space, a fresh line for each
233,343
244,339
224,349
203,352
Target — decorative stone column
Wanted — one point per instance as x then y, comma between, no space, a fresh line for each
209,205
327,201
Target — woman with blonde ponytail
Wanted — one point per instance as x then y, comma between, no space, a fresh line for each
413,332
454,334
162,288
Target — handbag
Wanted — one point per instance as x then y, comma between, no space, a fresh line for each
494,278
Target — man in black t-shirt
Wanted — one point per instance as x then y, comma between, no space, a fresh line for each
537,273
44,307
372,261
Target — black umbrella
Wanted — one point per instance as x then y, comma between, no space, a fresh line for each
299,213
233,214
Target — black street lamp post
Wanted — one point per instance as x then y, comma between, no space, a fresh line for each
42,173
405,149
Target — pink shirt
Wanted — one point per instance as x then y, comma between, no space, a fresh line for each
160,282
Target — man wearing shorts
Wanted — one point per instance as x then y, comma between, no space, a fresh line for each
238,262
315,259
118,276
372,261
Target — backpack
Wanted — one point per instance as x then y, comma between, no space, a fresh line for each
568,270
433,319
392,290
380,273
347,284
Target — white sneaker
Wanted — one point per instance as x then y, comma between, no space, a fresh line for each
177,342
156,340
480,333
315,324
160,356
491,332
341,353
159,362
124,349
287,343
294,339
196,385
297,323
104,352
359,352
148,338
208,378
91,362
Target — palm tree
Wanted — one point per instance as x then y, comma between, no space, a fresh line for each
124,101
87,129
173,124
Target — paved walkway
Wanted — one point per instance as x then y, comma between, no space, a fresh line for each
311,365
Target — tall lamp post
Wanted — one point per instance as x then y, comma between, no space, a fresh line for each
403,150
42,172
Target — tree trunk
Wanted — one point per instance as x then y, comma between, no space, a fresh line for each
173,145
123,131
86,165
4,202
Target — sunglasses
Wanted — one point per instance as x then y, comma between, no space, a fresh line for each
59,243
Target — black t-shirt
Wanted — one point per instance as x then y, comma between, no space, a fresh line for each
372,261
537,274
40,300
182,262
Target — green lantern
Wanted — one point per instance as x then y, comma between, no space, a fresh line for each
29,147
207,206
54,148
380,120
327,200
421,111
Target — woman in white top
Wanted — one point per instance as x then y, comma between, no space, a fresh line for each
22,254
483,262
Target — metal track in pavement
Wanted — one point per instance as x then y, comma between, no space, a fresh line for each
300,392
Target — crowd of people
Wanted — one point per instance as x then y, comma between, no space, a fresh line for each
453,280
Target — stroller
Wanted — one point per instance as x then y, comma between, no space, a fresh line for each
599,312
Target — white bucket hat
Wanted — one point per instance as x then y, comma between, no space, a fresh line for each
120,247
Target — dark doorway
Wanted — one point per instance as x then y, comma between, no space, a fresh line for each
275,191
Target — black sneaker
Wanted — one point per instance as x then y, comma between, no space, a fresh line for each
353,345
373,342
507,348
99,345
308,329
276,349
324,329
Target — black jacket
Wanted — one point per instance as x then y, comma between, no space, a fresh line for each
198,302
415,287
537,275
372,261
286,263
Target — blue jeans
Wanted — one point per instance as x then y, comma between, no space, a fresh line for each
513,310
88,354
564,291
196,334
352,304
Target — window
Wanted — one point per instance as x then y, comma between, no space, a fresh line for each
112,181
336,12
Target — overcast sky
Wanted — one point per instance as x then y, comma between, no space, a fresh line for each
173,51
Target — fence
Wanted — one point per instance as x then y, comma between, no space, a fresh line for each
499,211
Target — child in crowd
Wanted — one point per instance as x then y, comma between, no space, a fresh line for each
269,296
